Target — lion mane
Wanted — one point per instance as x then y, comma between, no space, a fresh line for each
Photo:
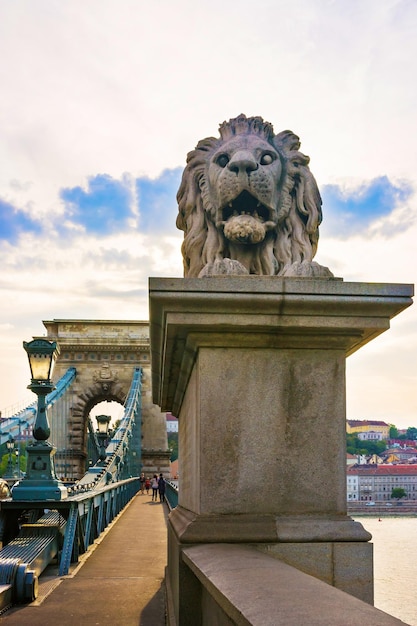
248,204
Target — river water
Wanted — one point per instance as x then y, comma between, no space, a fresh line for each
395,565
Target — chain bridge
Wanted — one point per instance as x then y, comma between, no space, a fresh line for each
97,361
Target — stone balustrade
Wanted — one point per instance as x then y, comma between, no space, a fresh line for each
238,585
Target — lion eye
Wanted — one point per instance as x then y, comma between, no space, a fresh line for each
222,160
267,158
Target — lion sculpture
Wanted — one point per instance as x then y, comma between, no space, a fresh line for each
248,204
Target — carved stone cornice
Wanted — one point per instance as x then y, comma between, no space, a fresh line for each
100,347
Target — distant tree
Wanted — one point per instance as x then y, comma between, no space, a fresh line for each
355,446
173,446
411,433
17,461
352,443
4,464
398,493
375,447
22,459
393,432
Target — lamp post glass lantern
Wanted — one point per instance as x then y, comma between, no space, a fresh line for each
40,482
103,422
10,448
42,355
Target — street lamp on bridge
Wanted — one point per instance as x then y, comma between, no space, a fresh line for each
103,433
10,448
20,423
40,482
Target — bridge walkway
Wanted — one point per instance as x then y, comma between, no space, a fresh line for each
121,581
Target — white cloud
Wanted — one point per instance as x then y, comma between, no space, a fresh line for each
128,89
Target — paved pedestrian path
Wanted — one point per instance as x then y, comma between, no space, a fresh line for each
121,583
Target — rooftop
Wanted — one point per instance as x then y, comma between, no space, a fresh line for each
383,470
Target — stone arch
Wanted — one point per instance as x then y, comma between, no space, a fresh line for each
85,401
105,354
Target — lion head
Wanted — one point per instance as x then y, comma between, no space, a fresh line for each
248,204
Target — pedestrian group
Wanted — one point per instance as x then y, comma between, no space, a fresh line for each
156,483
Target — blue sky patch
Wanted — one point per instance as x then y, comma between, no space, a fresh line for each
104,208
157,201
107,206
13,222
347,213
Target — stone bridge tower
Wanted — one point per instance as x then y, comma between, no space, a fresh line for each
105,353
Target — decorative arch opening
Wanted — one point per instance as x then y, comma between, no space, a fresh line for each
108,407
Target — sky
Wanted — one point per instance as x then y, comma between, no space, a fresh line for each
102,99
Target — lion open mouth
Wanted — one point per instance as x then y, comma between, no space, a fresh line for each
246,204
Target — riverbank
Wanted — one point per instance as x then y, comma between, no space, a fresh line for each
380,509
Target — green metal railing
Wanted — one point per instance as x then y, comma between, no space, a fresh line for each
89,514
171,493
92,503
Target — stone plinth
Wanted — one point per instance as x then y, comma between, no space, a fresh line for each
254,368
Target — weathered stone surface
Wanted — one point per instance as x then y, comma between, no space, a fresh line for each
254,369
274,403
260,312
193,527
346,565
239,585
248,204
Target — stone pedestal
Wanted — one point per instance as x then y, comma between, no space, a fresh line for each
254,368
40,482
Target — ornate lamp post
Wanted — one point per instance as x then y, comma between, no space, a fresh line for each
10,448
17,454
103,422
20,423
40,482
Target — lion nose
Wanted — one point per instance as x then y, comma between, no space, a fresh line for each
242,162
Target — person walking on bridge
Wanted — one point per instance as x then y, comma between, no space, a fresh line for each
154,484
161,488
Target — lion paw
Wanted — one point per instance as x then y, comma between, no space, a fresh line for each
222,268
306,269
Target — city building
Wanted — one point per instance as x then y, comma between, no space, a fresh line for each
376,482
371,435
172,423
402,443
368,426
352,486
401,454
351,459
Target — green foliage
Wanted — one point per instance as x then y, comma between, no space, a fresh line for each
5,459
173,445
411,433
3,464
355,446
398,492
393,432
